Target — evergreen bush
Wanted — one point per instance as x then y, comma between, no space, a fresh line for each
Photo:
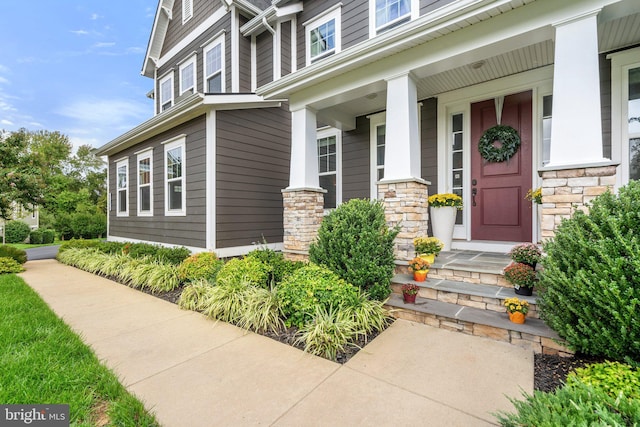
355,242
10,252
247,271
590,284
173,256
9,265
279,267
35,237
48,236
16,231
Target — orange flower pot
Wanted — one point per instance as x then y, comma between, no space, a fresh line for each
517,317
420,275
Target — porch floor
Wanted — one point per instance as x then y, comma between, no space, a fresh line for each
482,262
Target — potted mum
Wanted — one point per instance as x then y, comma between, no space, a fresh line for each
420,268
526,253
409,292
428,247
522,277
443,209
517,309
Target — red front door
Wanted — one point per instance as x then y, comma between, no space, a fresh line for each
499,209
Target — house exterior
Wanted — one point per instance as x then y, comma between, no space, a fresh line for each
298,106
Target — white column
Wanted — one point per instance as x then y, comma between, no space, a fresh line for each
402,143
304,150
576,131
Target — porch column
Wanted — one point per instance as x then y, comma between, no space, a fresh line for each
576,133
402,145
303,199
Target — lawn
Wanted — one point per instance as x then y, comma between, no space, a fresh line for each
44,362
29,246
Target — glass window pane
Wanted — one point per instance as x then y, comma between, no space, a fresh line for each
174,163
457,160
122,177
175,195
457,178
634,101
380,173
328,182
214,84
122,197
457,123
634,158
547,104
144,167
213,60
165,91
187,77
546,140
457,141
145,198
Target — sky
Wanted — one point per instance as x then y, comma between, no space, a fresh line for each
73,66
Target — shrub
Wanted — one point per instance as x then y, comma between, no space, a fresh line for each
355,242
110,247
16,231
9,265
88,225
200,266
139,250
19,255
48,236
591,278
330,331
369,315
576,405
173,256
611,377
261,310
310,287
195,295
247,271
278,266
35,237
226,301
78,244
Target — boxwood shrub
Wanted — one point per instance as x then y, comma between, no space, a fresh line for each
35,237
279,267
19,255
355,242
16,231
590,284
48,236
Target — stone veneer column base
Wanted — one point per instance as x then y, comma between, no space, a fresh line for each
303,212
564,191
406,203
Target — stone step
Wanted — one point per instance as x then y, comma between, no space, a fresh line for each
533,334
476,295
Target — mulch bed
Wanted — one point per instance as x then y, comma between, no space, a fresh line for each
550,371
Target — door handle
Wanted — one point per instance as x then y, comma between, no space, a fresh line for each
474,191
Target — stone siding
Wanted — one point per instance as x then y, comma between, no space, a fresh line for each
303,213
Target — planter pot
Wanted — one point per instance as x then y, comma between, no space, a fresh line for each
442,221
517,317
409,299
523,290
420,275
430,258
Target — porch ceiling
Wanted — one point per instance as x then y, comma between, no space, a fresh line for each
618,28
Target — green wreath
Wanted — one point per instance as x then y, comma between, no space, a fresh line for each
510,143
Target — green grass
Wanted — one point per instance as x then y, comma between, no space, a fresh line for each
29,246
44,362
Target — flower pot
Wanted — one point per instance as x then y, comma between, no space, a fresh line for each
409,299
420,275
430,258
443,219
517,317
523,290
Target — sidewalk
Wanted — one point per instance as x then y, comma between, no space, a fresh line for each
193,371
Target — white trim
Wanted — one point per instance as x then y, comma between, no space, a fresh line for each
294,44
144,150
414,13
332,14
145,154
375,120
621,63
218,41
161,100
174,139
254,65
328,132
277,51
235,50
192,60
156,99
177,143
210,197
191,37
123,163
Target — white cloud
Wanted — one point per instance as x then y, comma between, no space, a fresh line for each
94,16
80,32
4,81
6,122
4,69
104,44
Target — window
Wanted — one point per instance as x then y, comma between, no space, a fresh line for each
214,66
386,14
328,166
174,177
377,137
457,156
122,185
323,34
547,103
188,76
166,92
187,10
145,183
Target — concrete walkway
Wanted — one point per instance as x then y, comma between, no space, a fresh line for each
192,371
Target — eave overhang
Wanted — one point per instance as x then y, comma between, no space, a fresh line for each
269,16
156,39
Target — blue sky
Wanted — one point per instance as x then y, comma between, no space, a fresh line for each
74,66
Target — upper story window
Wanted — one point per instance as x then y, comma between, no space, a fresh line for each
188,75
145,183
214,66
323,34
166,92
187,10
386,14
122,186
175,195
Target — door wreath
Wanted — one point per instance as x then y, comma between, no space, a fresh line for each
510,143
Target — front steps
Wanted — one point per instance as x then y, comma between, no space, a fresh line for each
464,293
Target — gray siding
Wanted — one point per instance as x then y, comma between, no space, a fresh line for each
189,230
356,163
285,31
427,6
605,103
176,31
355,23
252,167
245,59
429,143
264,48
